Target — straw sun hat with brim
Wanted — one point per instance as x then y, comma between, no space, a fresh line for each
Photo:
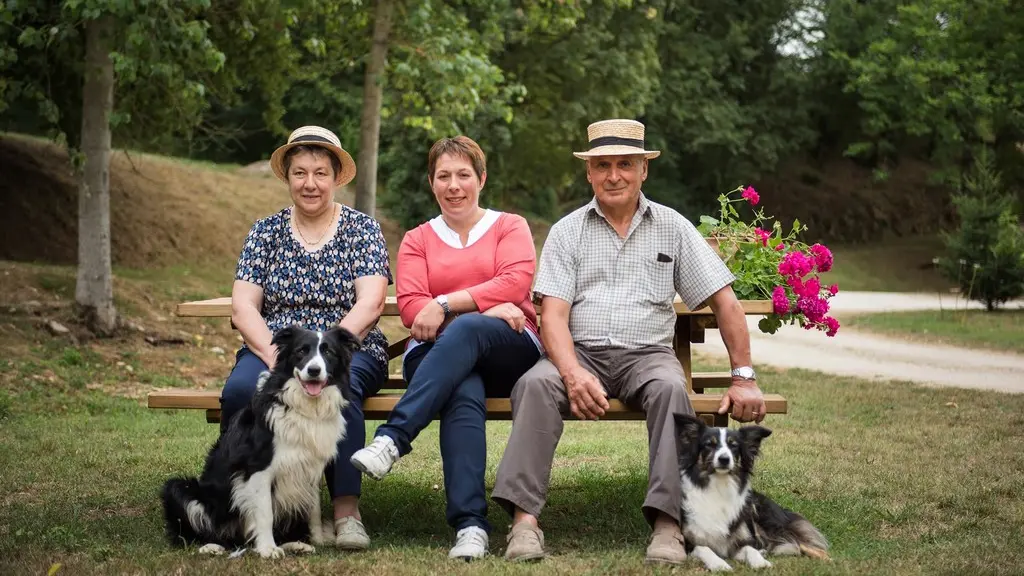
315,136
616,138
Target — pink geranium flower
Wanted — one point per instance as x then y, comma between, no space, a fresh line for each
751,195
779,300
795,264
833,326
834,289
810,288
822,257
814,308
763,236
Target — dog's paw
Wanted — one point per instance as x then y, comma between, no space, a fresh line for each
212,549
711,560
272,552
753,557
297,548
718,565
262,379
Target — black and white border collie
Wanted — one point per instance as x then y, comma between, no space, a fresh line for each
261,482
722,517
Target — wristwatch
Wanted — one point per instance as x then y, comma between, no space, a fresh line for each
443,301
744,372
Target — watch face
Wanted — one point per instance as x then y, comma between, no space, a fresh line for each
744,372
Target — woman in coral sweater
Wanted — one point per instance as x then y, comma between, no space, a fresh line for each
463,286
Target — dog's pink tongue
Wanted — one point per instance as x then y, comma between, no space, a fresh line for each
313,387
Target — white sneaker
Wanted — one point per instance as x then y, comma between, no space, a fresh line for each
376,459
470,544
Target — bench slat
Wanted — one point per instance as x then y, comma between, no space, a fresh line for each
221,308
378,407
701,380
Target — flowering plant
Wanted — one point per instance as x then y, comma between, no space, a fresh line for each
770,264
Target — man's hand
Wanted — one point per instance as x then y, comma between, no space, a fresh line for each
587,398
746,400
424,327
509,313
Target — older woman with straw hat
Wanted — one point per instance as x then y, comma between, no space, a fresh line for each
319,264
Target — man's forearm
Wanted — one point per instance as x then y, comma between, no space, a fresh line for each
558,345
732,325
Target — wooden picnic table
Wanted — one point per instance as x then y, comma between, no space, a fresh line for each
689,329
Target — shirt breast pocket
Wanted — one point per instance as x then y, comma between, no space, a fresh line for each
659,285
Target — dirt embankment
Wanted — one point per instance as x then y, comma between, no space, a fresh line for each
163,212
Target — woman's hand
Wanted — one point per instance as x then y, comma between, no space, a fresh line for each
425,326
509,313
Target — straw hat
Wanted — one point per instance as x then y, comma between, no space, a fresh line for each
616,138
315,136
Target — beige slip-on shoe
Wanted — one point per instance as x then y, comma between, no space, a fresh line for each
525,542
666,548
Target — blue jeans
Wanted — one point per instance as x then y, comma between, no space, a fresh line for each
476,356
366,378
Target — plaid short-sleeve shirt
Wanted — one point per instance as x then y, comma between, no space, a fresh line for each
621,289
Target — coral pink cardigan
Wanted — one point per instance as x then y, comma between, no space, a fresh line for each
495,269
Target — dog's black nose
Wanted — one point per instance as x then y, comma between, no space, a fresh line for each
313,371
723,460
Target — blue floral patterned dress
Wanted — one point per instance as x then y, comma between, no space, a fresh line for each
315,289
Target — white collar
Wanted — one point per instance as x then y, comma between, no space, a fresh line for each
451,237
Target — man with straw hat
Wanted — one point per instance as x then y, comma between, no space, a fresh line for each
608,275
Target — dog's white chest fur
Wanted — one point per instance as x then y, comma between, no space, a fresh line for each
306,437
711,510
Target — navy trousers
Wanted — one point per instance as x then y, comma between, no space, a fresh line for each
366,378
474,357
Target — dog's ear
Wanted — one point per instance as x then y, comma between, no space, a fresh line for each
285,336
343,339
751,436
689,428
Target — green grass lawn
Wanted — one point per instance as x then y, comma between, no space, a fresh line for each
897,478
894,265
999,330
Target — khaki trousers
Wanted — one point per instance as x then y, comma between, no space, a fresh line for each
649,379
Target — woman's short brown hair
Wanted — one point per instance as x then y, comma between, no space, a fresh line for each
458,146
316,151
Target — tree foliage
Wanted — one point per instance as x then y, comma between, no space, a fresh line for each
730,90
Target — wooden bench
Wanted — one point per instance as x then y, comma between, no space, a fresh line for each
689,329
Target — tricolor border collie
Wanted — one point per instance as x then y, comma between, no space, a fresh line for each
261,482
722,517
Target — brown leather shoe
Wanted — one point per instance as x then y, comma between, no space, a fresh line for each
666,548
525,543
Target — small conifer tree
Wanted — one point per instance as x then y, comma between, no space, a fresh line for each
985,255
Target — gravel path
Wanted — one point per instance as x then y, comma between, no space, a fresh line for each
873,356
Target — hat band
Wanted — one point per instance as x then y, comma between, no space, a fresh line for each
616,141
311,138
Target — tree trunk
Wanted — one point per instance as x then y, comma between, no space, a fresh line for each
369,126
94,290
